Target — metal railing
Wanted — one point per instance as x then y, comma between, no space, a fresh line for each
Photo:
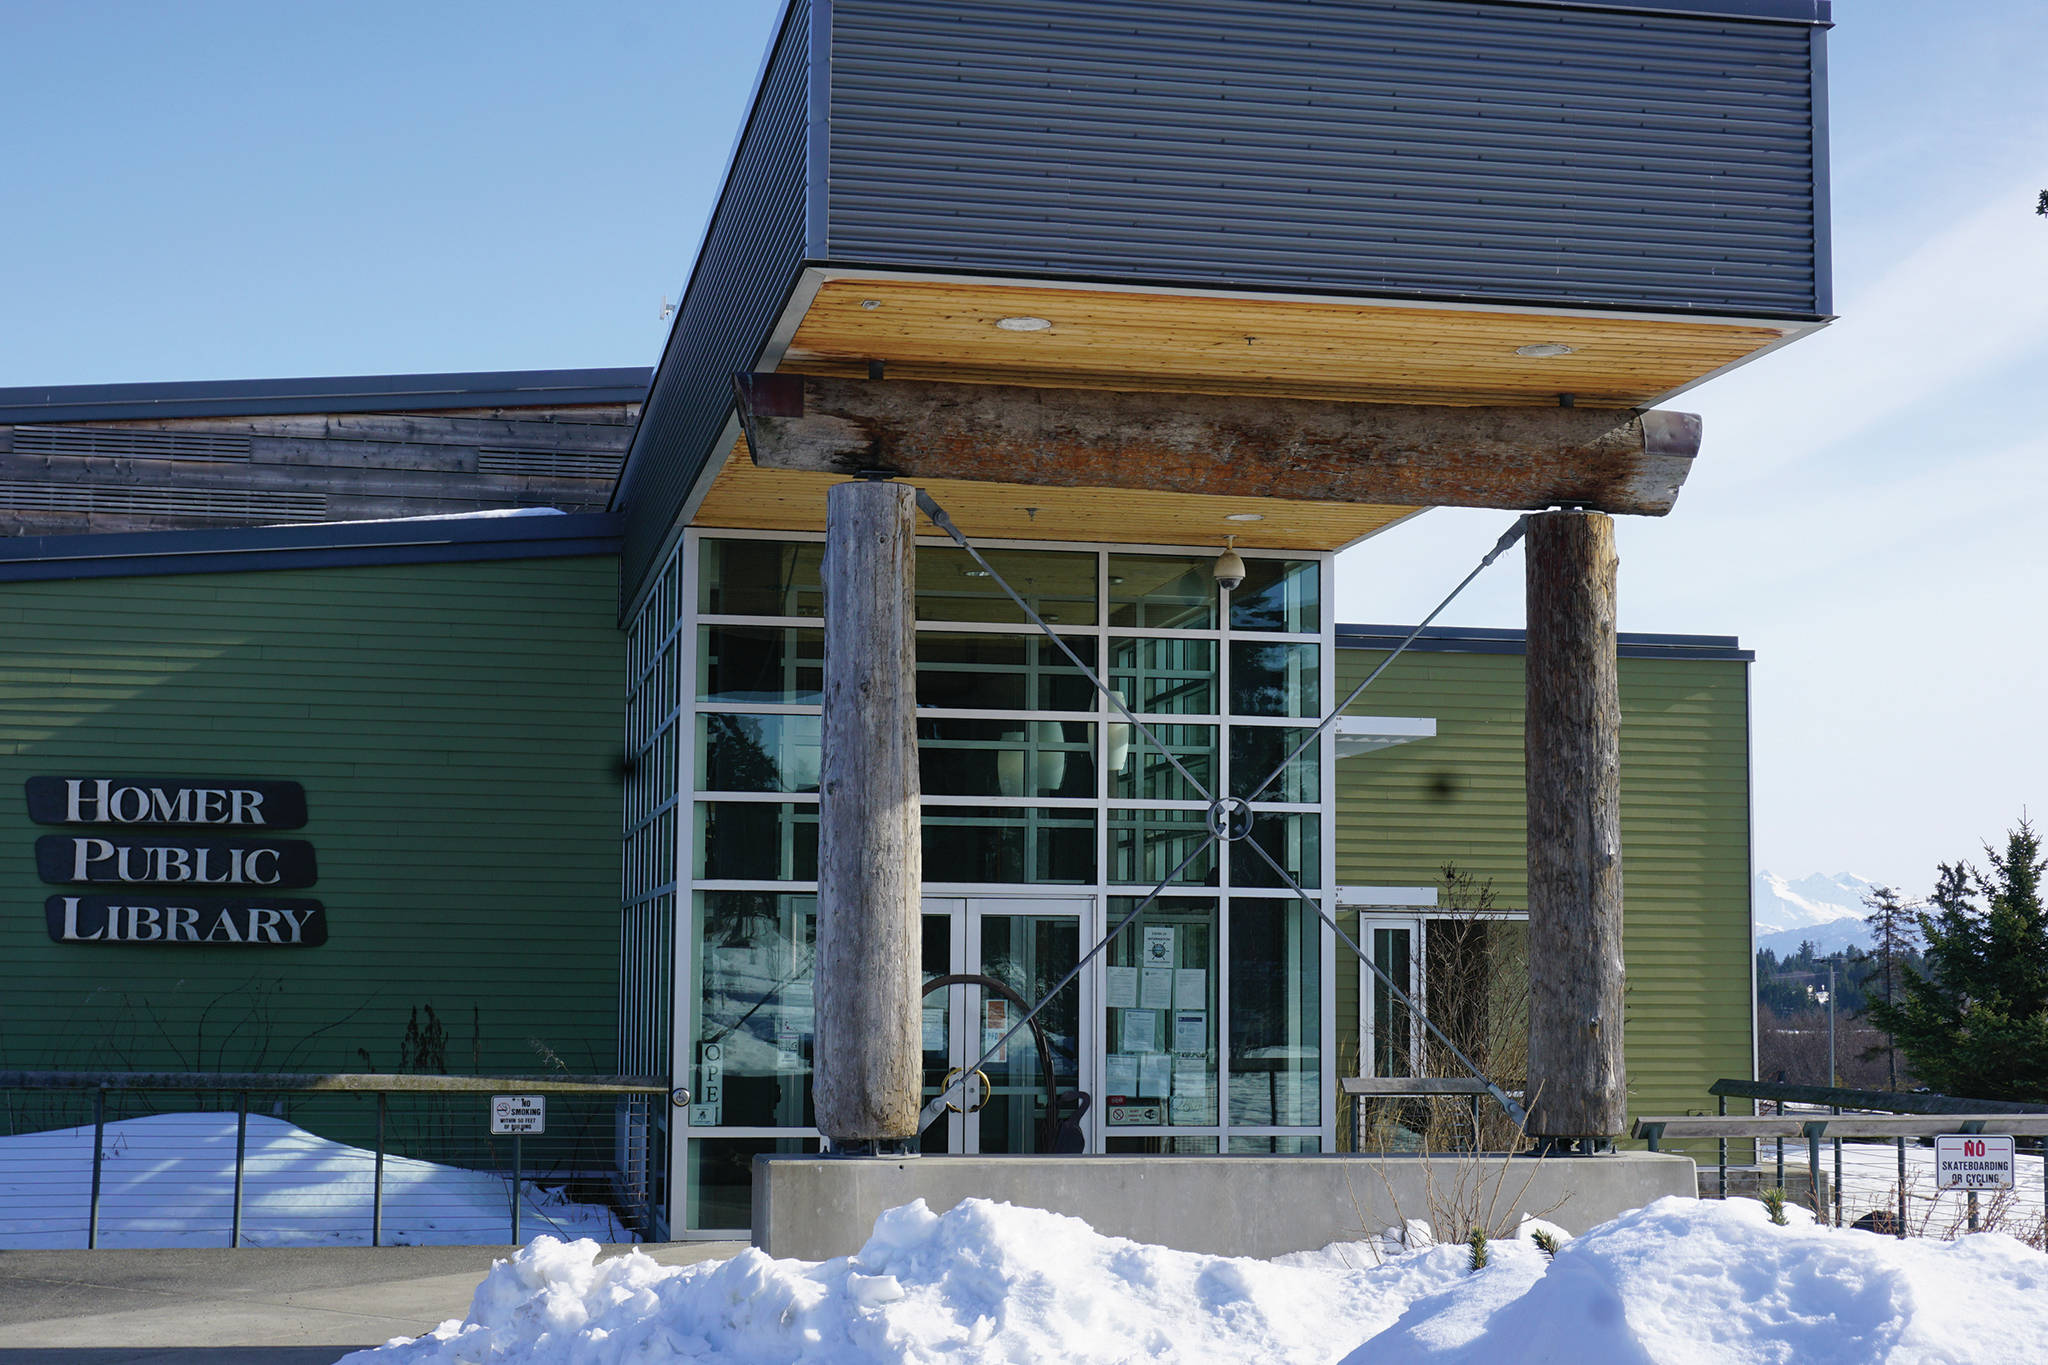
268,1158
1834,1115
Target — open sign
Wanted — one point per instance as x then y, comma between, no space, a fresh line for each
1966,1161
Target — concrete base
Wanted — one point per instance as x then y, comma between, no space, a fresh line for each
814,1208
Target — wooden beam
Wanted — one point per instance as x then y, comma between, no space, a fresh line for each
869,992
1572,738
1525,458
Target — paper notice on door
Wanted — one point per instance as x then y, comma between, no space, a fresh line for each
1141,1031
1190,1080
1191,1033
1123,1074
934,1028
1156,990
995,1022
1123,988
1158,945
1191,988
1155,1075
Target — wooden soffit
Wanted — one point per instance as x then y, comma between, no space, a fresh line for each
927,328
744,495
1349,351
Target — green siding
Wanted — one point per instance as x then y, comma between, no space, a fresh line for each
456,727
1402,813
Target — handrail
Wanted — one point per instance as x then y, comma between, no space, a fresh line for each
1913,1114
299,1082
1654,1128
1899,1101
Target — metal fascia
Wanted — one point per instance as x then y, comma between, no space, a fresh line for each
236,549
1823,207
1807,12
703,239
340,393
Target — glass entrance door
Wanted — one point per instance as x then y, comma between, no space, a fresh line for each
1028,944
1392,1041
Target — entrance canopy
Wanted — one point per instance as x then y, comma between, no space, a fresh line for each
1453,203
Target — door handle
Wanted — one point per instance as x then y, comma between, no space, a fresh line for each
975,1108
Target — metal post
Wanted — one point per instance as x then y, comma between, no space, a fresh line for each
99,1145
377,1185
1721,1107
241,1149
515,1189
1838,1169
1820,1209
1781,1156
1973,1210
647,1171
1902,1189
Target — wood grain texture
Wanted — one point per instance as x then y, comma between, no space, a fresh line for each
1357,352
1572,745
309,467
1222,446
746,496
869,1063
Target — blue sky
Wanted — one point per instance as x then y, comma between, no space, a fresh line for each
214,190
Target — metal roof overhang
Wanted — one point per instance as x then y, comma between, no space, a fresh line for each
344,393
701,475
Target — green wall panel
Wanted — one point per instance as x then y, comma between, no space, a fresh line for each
456,728
1404,812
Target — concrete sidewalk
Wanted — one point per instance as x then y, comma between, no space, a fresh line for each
282,1306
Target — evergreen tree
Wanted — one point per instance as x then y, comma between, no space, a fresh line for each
1974,1021
1895,931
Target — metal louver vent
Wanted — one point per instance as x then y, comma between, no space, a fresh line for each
233,504
547,464
147,445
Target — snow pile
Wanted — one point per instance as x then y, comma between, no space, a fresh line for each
168,1180
1679,1281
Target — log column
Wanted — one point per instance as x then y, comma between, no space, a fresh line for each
868,1067
1572,738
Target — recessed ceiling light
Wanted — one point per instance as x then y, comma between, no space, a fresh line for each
1024,324
871,303
1541,350
1245,516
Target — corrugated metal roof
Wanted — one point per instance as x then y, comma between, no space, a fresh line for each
345,393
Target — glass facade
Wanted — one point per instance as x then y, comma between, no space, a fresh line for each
1204,1024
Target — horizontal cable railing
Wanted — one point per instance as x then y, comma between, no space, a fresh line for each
1837,1115
275,1158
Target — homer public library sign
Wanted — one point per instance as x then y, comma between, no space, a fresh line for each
162,864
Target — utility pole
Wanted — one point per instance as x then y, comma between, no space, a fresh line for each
1832,1081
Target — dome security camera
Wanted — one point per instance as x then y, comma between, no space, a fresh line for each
1229,567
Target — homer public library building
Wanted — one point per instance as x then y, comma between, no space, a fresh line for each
293,765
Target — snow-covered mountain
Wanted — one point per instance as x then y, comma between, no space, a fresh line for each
1828,910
